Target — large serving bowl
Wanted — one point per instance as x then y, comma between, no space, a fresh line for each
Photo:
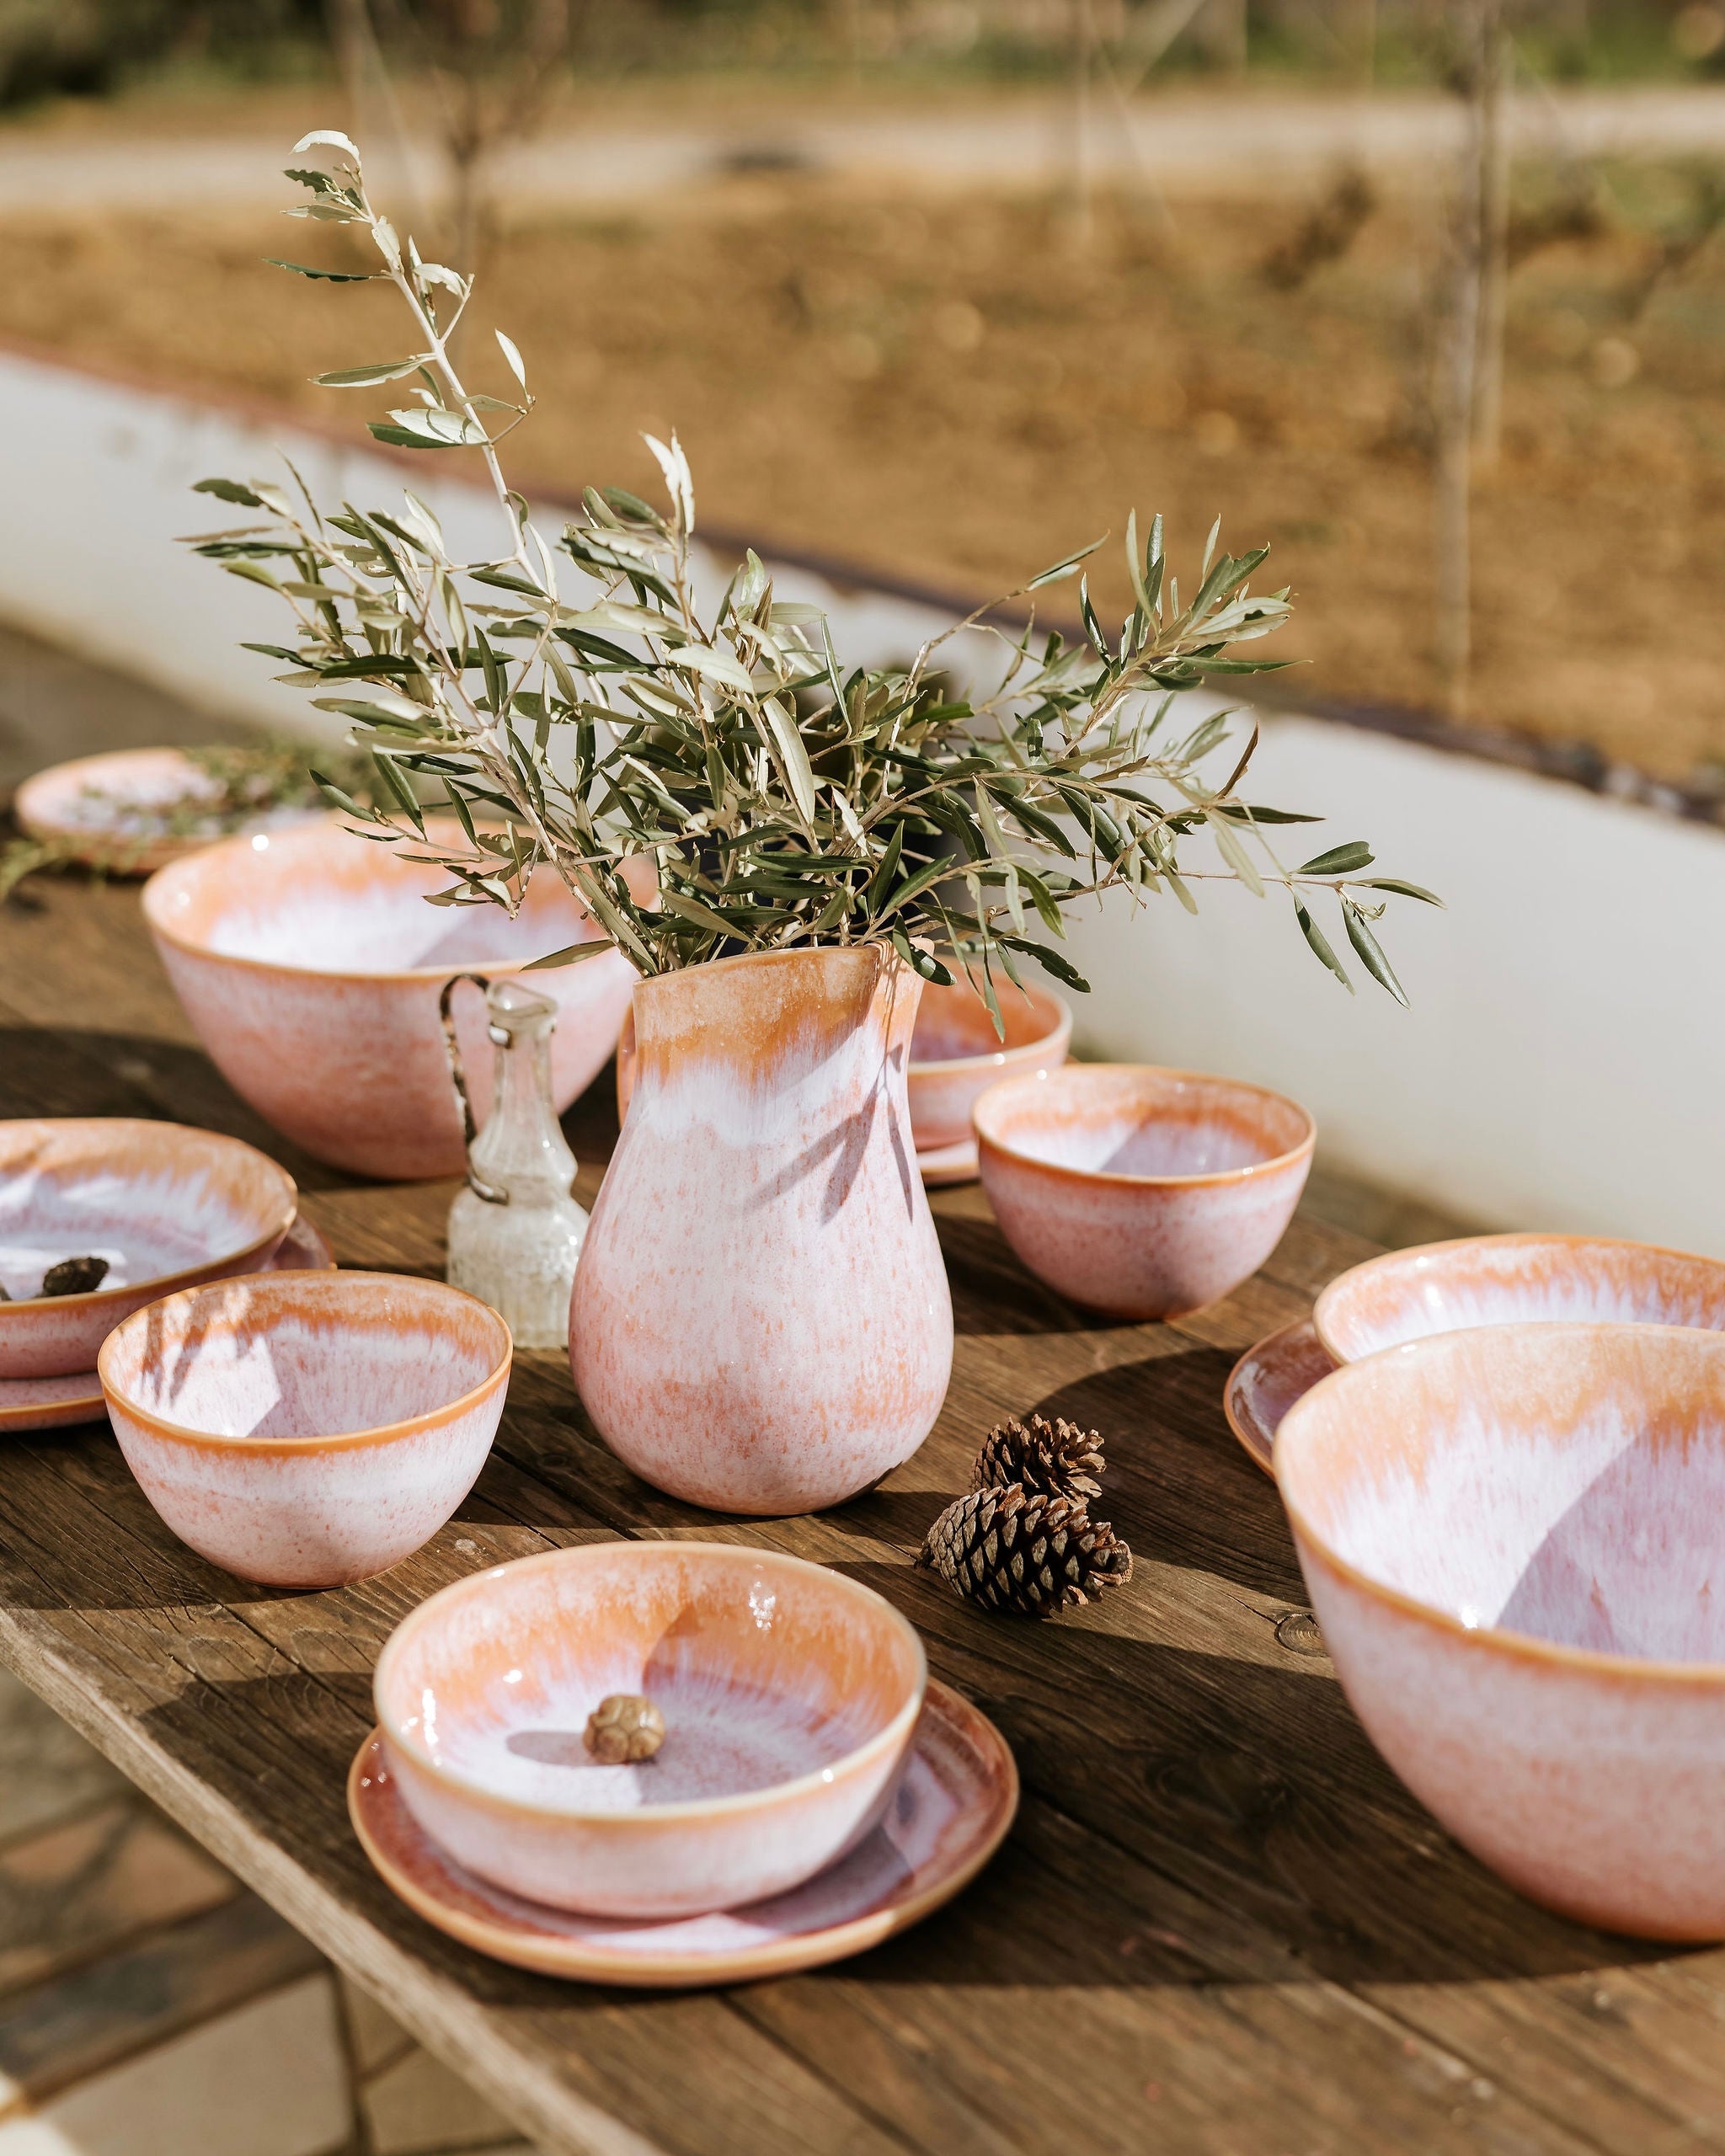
956,1054
311,966
165,1205
1408,1295
1140,1192
1514,1541
790,1695
308,1428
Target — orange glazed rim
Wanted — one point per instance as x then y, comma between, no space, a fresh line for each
187,1276
1497,1639
152,899
1063,1024
892,1734
1388,1261
282,1286
1216,1177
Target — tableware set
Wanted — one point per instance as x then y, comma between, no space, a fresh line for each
812,1794
950,1813
1502,1457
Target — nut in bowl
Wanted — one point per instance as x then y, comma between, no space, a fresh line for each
788,1697
1407,1295
304,1429
1139,1192
1513,1540
311,965
156,1206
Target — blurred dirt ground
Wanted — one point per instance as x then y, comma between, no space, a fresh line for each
954,389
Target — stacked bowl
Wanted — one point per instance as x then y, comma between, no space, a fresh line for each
141,1208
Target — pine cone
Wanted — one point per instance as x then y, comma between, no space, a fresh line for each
1025,1552
1057,1458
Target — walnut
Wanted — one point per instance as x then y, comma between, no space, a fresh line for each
624,1728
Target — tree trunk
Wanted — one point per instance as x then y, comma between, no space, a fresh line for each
1458,385
374,110
1083,177
1493,131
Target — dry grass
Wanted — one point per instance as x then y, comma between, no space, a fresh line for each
951,390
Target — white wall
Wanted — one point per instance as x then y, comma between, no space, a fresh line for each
1562,1065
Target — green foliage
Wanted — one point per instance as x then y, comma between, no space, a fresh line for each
576,704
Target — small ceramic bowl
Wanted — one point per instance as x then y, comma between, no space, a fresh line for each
166,1206
311,966
1139,1192
956,1055
1407,1295
790,1696
1514,1541
303,1429
113,811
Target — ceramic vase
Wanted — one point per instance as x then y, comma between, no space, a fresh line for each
761,1320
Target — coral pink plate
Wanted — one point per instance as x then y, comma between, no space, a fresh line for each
58,1403
950,1814
1267,1380
115,810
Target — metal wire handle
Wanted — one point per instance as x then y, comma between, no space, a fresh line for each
470,1130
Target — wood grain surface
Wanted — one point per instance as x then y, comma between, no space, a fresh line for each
1220,1925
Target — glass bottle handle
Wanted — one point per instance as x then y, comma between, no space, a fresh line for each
470,1130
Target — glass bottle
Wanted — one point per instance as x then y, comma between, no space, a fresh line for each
514,1232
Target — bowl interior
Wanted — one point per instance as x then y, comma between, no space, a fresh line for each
321,900
1408,1294
153,1198
1120,1119
1564,1481
765,1670
303,1355
953,1025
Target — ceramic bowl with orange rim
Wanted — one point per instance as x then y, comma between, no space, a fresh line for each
956,1055
1139,1192
163,1205
790,1696
305,1429
1514,1541
1407,1295
131,811
311,965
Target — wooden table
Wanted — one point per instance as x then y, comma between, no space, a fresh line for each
1219,1924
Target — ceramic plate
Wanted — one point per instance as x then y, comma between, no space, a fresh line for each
1268,1379
948,1164
57,1403
114,809
950,1815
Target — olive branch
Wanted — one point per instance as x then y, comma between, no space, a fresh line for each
763,797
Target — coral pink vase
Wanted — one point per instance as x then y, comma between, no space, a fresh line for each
761,1320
